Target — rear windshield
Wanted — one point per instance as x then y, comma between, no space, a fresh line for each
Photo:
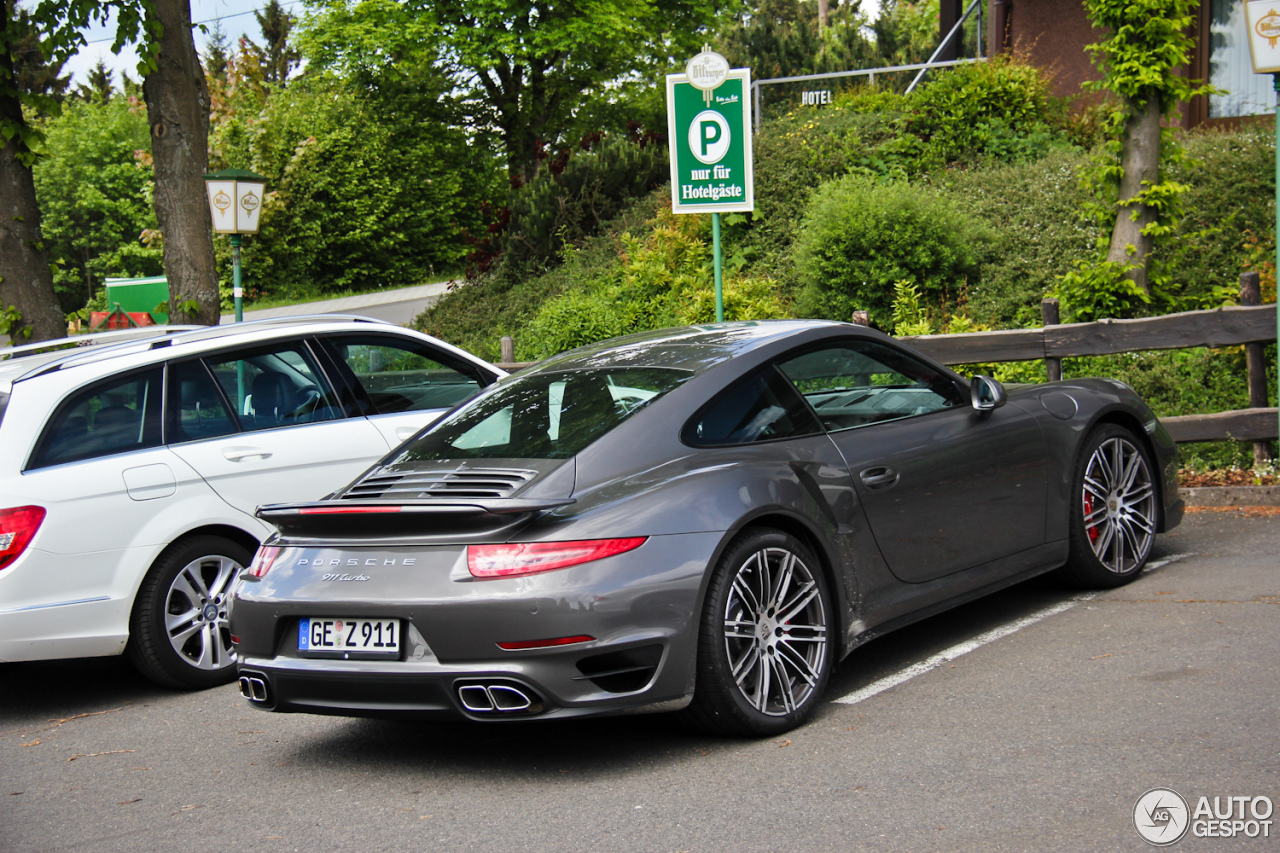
544,416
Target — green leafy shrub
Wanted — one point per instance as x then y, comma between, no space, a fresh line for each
860,237
555,209
1095,290
1001,107
663,278
1036,210
366,189
1230,196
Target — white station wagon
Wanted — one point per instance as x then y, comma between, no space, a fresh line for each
131,464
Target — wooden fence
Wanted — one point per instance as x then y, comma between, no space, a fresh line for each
1248,325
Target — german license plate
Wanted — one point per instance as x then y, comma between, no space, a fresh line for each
362,637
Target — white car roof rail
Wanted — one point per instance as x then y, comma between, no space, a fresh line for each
94,338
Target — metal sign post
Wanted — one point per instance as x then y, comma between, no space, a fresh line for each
709,127
1263,18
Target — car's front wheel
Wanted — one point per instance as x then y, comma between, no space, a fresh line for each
178,633
1113,509
764,648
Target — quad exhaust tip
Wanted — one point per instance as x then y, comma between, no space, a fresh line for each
501,698
253,688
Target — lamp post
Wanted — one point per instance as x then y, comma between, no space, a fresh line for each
1263,21
235,203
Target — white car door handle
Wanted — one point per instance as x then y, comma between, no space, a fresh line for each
235,454
403,432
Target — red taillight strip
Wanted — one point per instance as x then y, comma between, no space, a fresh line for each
346,510
545,644
526,558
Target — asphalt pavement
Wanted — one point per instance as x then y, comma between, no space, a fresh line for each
399,306
1029,721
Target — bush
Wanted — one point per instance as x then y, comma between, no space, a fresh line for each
663,278
555,209
1000,108
860,237
1230,178
1036,209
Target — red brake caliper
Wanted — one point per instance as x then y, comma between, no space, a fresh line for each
1088,511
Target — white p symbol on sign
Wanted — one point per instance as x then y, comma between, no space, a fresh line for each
709,137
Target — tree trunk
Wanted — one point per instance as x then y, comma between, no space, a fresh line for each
824,14
178,112
26,282
1140,160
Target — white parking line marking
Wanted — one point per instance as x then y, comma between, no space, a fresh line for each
947,655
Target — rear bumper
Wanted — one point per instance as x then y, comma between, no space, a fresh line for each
639,609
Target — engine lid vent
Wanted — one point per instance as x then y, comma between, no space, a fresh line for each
441,483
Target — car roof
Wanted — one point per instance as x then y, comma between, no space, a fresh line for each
25,362
694,348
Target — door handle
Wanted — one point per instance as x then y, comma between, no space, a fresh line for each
403,432
235,454
879,477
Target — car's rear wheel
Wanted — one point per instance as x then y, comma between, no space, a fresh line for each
1114,510
764,648
178,633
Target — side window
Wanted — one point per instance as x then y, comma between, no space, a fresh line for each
760,407
866,382
403,376
197,408
275,386
116,416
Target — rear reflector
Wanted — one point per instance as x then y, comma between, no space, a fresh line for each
17,527
527,558
263,560
545,644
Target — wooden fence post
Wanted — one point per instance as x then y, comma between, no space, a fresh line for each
1251,294
1050,316
508,347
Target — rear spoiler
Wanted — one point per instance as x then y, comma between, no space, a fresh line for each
379,518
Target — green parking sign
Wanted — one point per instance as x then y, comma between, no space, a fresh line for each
710,142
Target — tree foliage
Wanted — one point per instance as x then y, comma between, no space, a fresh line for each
277,56
94,190
524,69
365,189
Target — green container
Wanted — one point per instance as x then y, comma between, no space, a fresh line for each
139,295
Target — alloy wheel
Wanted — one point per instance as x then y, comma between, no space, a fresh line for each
775,631
1119,505
196,612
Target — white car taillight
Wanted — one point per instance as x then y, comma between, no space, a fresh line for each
17,528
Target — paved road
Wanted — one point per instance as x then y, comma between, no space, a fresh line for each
395,306
1039,739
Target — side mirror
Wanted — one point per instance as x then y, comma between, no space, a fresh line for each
986,394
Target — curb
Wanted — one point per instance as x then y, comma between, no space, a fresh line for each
1231,495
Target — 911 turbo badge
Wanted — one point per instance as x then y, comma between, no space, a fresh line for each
332,577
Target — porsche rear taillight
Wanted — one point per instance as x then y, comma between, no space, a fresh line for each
263,560
527,558
17,528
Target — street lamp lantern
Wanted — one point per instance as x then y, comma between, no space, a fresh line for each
235,203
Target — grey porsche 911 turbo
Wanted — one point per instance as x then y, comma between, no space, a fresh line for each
702,519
